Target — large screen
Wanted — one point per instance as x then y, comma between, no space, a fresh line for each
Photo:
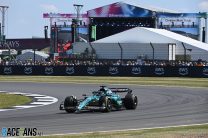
183,23
66,33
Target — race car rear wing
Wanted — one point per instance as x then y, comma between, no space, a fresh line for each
121,90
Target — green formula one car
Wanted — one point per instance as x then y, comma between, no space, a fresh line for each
105,100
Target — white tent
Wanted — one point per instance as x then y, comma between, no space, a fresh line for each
160,38
29,55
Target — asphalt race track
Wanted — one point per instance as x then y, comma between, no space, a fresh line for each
158,107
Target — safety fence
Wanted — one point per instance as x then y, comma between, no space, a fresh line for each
148,71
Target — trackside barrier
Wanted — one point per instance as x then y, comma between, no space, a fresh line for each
136,71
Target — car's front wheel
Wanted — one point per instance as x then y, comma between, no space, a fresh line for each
106,103
70,104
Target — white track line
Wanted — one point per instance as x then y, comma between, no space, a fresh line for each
43,103
139,129
1,110
45,100
33,95
24,106
40,100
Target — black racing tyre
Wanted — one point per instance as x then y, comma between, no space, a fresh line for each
130,101
71,102
105,102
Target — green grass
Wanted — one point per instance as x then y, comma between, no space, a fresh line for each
9,100
167,81
199,131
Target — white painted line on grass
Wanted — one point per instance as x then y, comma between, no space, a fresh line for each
40,100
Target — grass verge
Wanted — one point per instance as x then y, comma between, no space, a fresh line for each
167,81
9,100
199,131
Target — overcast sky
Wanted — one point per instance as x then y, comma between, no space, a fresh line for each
24,17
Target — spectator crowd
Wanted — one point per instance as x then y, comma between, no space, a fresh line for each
106,63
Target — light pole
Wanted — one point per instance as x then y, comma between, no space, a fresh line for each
121,52
153,52
2,26
78,8
3,12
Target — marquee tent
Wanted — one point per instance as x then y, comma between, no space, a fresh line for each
161,39
29,55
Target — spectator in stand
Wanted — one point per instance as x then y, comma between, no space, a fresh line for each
106,63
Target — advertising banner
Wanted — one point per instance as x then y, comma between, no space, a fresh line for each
62,18
62,15
134,71
93,32
183,23
21,44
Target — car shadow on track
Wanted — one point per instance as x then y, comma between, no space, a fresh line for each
91,112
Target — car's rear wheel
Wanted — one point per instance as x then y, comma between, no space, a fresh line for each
130,101
70,104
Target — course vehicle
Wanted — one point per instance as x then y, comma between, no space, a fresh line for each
104,100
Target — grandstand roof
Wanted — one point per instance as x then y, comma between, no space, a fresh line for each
151,8
123,9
